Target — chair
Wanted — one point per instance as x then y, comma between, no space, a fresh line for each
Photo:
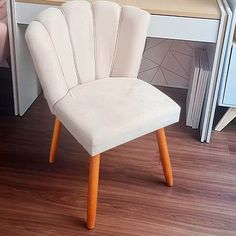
87,58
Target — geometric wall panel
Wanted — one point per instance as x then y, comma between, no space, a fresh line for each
167,62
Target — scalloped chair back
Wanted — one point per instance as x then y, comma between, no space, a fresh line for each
87,58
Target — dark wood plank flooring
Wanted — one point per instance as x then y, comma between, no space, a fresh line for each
38,198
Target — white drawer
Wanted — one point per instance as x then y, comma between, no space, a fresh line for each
184,28
172,27
26,12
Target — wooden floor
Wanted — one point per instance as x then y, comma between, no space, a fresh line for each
38,198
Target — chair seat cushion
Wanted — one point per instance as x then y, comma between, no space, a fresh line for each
108,112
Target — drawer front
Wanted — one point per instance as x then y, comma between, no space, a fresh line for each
26,12
183,28
230,86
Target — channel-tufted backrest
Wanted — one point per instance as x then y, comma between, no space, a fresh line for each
81,41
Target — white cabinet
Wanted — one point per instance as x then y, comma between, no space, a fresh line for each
229,97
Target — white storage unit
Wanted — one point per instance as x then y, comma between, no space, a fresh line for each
227,95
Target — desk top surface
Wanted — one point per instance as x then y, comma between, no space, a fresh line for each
189,8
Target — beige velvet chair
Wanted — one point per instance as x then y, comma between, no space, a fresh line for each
87,57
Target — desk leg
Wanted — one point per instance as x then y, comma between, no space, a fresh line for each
226,119
221,47
28,87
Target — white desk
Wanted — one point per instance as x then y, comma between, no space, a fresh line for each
167,21
195,20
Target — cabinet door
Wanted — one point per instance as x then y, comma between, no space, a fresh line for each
230,86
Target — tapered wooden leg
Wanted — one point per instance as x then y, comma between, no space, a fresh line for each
94,163
55,138
165,158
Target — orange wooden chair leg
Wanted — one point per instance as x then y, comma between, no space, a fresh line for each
165,158
94,163
55,138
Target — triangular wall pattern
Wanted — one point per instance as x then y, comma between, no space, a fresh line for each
167,62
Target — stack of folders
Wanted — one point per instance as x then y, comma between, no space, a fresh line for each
197,87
